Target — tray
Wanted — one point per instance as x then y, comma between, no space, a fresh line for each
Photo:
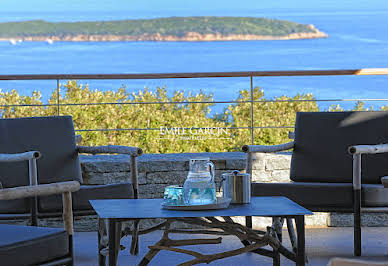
222,203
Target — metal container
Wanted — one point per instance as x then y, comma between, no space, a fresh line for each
236,186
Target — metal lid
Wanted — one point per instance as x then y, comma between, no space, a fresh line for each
236,173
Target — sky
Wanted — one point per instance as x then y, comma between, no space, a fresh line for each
93,10
142,5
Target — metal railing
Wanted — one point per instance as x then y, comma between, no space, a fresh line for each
248,74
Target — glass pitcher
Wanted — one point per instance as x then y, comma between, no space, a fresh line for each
199,187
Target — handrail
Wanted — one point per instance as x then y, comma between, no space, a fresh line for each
281,73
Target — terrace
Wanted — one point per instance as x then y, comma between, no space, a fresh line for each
159,170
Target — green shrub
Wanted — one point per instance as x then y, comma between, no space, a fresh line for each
165,117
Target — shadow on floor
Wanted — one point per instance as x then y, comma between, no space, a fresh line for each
321,245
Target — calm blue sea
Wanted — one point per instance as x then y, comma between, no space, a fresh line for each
357,39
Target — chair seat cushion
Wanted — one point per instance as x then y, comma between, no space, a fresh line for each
14,206
323,196
26,245
374,195
81,198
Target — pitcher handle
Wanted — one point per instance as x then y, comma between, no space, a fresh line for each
212,170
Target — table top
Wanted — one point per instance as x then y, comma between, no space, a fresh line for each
151,208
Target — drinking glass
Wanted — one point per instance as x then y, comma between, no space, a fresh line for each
173,195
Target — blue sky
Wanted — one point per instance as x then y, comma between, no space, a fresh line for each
161,5
92,10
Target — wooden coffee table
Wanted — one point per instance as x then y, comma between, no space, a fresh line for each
118,210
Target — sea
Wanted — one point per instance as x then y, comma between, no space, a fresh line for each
358,38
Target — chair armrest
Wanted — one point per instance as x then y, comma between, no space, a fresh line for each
357,151
368,149
17,157
268,148
47,189
384,181
133,151
38,190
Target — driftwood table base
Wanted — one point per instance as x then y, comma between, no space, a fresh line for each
267,243
252,240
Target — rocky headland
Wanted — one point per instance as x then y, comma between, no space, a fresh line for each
167,29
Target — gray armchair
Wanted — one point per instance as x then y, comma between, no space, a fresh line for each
55,139
326,173
31,245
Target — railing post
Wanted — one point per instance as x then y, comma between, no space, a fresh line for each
58,97
251,100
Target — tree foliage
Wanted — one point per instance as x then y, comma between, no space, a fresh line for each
181,127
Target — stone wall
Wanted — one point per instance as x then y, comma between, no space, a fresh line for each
159,170
156,171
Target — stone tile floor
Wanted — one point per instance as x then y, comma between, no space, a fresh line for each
321,245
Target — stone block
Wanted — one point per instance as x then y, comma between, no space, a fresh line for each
367,219
277,162
105,163
280,176
91,178
316,220
236,164
149,189
258,161
261,176
155,195
81,223
162,165
171,178
219,164
257,222
141,178
319,219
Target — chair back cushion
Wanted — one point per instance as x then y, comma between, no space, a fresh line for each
52,136
322,140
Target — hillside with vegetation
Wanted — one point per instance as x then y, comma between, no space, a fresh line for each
129,114
160,29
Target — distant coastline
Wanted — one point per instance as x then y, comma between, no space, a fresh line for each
191,37
164,30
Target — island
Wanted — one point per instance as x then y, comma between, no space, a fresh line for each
204,28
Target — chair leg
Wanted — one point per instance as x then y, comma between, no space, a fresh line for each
134,250
118,238
357,222
102,241
114,240
248,221
277,225
71,251
34,211
292,234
